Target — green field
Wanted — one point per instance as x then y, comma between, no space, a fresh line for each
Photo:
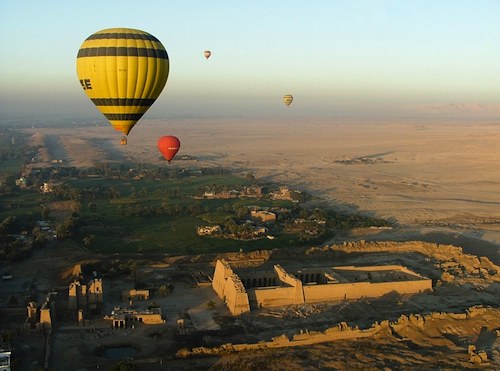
158,216
24,205
111,230
131,208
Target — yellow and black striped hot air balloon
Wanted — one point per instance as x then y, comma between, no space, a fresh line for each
122,71
287,99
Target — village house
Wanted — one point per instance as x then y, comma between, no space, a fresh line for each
283,193
48,187
21,182
252,191
263,216
135,295
208,230
5,359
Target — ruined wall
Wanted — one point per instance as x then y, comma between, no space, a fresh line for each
73,291
221,273
32,313
292,281
467,263
230,289
134,294
47,312
343,331
94,294
45,318
235,296
272,296
340,291
151,319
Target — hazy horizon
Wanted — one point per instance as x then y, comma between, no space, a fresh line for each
343,59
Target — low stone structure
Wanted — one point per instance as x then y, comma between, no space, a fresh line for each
256,289
263,216
283,193
342,331
135,295
123,318
43,317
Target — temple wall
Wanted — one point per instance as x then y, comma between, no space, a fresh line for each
72,296
45,317
151,319
292,291
236,299
272,296
292,281
230,289
221,273
341,291
95,291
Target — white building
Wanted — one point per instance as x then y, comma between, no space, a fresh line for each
4,360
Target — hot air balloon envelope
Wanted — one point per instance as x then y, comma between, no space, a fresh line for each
122,71
169,146
288,99
207,53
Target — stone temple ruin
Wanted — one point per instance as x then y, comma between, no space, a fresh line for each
243,290
84,298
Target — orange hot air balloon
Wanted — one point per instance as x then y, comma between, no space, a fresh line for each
169,146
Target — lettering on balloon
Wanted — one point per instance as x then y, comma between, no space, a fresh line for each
86,84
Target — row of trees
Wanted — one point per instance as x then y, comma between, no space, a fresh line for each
194,209
142,171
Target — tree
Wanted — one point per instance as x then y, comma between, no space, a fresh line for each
241,211
45,212
143,192
132,190
195,209
297,196
211,305
67,228
39,236
113,192
250,177
87,240
92,206
8,183
77,206
123,366
9,225
163,290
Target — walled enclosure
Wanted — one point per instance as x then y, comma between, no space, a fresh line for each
260,289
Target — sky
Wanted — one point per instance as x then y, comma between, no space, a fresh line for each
338,58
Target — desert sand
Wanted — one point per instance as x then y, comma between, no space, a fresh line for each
434,177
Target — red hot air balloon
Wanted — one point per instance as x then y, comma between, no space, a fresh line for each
169,146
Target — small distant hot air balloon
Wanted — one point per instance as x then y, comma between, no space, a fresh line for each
288,99
122,71
169,146
207,53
